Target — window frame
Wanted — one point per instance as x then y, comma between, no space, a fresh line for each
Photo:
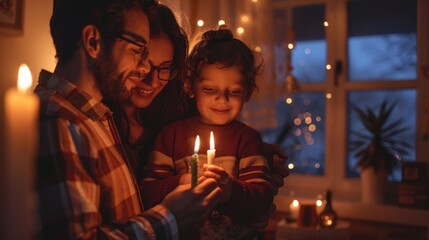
307,186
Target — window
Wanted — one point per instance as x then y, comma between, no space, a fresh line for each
347,54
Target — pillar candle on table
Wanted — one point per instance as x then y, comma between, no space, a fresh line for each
319,206
211,152
21,141
294,209
194,162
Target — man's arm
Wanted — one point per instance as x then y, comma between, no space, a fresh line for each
74,190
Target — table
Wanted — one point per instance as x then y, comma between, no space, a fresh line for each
290,231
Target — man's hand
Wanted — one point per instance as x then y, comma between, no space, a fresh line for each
192,206
185,179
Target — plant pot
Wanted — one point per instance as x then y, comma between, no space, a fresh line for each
373,185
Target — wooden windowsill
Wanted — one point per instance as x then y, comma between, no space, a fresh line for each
369,212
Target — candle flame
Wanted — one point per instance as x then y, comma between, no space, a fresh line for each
295,203
197,144
24,78
212,145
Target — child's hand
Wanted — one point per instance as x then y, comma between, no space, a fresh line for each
185,179
222,178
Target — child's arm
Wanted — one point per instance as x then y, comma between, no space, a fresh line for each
158,175
248,196
252,194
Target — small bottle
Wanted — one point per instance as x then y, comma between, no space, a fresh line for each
328,217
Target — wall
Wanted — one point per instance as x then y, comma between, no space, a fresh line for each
34,47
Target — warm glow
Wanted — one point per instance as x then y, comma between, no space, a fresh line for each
254,1
200,23
290,46
318,119
258,49
327,220
295,203
328,95
24,78
221,22
297,121
290,166
244,18
240,30
319,203
328,67
212,144
325,23
197,144
308,120
312,128
289,100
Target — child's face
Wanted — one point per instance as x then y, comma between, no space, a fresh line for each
219,94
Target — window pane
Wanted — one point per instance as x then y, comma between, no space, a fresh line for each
308,57
301,132
382,40
398,132
309,54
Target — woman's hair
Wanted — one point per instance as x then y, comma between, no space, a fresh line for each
172,99
172,103
219,46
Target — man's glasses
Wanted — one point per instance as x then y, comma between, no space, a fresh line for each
165,73
144,52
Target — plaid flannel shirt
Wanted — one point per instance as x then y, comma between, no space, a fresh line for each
85,188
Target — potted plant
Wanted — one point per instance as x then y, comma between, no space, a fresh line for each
378,148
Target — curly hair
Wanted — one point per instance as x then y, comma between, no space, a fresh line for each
219,46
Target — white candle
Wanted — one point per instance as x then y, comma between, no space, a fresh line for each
194,162
21,128
319,206
211,152
294,209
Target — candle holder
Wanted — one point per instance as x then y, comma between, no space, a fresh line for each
328,217
307,216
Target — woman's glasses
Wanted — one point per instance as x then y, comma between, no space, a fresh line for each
165,73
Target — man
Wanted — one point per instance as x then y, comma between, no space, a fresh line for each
84,185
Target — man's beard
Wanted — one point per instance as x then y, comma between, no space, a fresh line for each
110,82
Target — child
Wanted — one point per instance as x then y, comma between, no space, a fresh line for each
221,77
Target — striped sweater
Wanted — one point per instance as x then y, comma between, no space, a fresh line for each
239,150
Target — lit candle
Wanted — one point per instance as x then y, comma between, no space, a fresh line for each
211,152
319,206
194,162
21,134
294,209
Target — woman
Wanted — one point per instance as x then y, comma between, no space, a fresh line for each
159,98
